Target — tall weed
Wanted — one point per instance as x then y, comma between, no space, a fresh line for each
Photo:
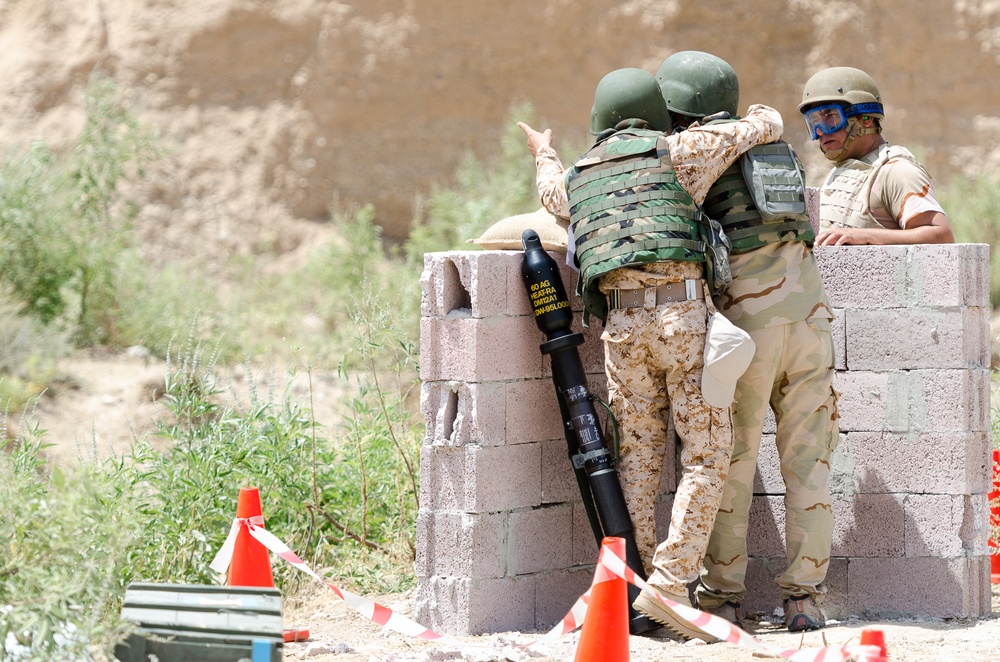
973,208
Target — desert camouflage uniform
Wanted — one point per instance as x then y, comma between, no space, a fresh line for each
777,296
883,189
654,356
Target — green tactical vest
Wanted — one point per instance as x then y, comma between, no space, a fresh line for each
761,199
626,209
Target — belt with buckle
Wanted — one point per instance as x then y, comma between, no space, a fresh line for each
684,290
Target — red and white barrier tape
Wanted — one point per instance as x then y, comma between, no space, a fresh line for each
609,566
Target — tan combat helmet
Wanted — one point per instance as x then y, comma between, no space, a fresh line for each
844,85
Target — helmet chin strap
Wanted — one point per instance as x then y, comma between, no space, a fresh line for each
854,130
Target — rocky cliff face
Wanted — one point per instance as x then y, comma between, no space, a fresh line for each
271,109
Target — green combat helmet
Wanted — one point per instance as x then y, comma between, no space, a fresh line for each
698,84
626,94
843,85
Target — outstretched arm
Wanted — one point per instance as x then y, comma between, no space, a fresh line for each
549,171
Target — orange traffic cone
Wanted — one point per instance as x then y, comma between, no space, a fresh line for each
604,637
251,565
872,637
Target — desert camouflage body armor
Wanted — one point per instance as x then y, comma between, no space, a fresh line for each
627,209
761,199
847,190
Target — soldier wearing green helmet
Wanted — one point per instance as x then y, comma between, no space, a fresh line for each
777,297
639,240
876,193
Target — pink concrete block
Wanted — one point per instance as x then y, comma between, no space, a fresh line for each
869,525
764,595
768,478
442,478
557,592
486,283
770,425
540,539
872,400
531,411
663,511
812,203
480,479
838,331
864,277
479,350
503,478
463,413
559,482
933,462
766,527
461,544
946,526
586,546
914,338
941,588
463,606
949,275
950,400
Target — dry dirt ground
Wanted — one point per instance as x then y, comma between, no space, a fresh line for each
104,399
339,634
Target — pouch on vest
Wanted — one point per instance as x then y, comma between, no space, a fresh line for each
776,181
717,247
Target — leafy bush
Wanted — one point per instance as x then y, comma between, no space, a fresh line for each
344,499
973,209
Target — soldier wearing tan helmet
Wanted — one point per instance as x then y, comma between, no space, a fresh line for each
877,193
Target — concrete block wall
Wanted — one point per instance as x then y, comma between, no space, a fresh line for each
503,541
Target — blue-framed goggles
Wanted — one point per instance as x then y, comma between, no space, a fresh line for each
832,117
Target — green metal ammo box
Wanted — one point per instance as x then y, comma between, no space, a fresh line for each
182,622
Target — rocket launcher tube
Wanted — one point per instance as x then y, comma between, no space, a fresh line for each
596,475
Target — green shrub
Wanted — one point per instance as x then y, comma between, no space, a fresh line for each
973,209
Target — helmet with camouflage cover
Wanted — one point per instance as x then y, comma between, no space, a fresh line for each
697,84
626,94
848,86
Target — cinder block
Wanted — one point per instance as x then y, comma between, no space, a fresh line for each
764,595
484,283
949,400
929,338
863,277
949,275
461,544
586,546
941,588
768,478
812,204
559,484
946,526
871,401
838,331
463,413
531,412
478,479
931,463
766,527
479,350
540,539
463,606
557,592
869,525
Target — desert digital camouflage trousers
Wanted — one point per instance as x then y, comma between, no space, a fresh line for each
792,371
653,359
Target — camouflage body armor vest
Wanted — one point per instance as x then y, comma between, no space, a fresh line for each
846,193
761,199
627,209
